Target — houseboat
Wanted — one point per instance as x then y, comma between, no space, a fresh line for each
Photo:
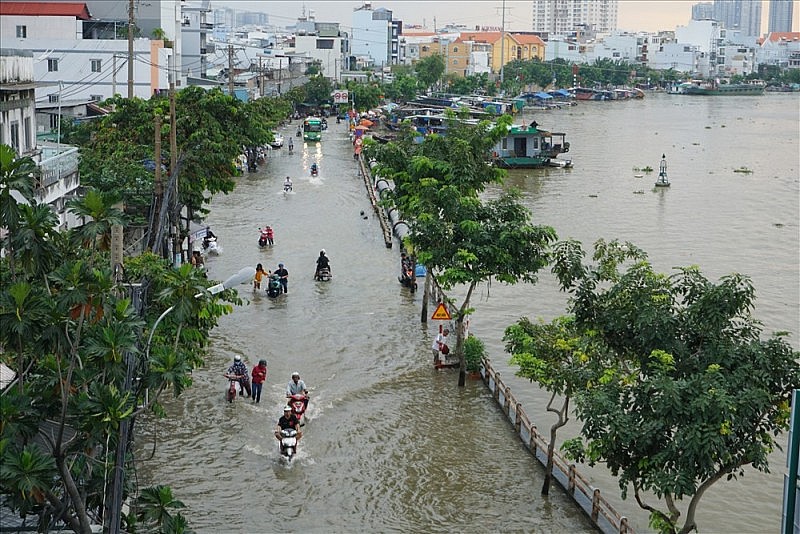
528,147
714,88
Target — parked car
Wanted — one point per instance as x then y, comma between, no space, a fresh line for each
277,141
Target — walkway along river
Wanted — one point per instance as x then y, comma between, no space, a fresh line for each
392,444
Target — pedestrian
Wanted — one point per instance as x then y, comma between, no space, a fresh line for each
259,376
270,235
283,276
440,345
260,274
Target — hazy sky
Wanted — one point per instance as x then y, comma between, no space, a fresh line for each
633,15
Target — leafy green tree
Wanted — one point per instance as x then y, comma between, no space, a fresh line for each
464,239
16,176
318,90
429,70
365,95
694,394
562,360
74,335
402,89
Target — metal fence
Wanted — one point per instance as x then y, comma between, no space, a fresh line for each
588,498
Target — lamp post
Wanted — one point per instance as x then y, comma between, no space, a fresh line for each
245,274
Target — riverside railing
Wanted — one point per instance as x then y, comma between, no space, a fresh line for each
566,474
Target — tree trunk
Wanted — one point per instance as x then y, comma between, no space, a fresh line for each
562,420
426,292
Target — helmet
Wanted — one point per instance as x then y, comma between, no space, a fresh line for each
280,265
322,251
262,362
296,374
237,358
287,408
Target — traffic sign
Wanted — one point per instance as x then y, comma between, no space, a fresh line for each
441,313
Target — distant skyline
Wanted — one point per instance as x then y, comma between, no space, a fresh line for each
632,15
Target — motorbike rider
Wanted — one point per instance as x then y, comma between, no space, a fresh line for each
287,184
288,420
270,234
291,145
314,168
208,237
238,371
297,387
322,263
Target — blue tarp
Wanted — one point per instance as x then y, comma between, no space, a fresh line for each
560,92
543,96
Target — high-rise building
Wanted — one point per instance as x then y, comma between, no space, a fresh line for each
780,16
560,17
374,34
744,15
703,11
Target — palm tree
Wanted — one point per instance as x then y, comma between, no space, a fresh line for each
34,245
99,208
16,179
154,505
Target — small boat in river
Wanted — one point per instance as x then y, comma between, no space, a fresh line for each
528,147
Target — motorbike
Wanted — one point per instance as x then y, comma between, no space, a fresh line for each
274,288
299,132
288,443
298,402
291,148
314,169
407,279
287,187
263,238
210,246
233,385
323,275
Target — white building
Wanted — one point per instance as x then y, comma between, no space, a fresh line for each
59,163
324,44
781,49
73,66
560,17
372,34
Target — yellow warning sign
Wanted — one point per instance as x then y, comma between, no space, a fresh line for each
441,313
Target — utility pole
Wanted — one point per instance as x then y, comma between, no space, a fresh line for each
177,253
113,74
158,185
260,76
230,69
502,43
130,48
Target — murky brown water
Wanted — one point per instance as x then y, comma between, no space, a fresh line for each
392,445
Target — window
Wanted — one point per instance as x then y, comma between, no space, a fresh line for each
455,49
424,48
455,62
324,44
96,98
15,136
54,122
52,65
28,133
22,32
52,98
96,65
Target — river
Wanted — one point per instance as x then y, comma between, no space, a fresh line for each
391,444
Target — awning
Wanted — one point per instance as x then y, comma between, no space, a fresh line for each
560,92
543,96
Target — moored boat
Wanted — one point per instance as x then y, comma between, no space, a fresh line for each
721,89
528,147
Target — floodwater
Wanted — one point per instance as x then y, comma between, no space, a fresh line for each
392,445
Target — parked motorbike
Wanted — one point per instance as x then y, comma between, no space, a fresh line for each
407,279
299,403
323,275
288,443
274,288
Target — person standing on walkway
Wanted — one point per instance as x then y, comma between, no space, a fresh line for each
283,276
259,376
440,345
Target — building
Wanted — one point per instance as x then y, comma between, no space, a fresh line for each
71,65
559,17
780,16
324,44
781,49
59,178
373,36
703,11
742,15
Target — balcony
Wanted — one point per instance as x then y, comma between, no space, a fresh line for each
57,165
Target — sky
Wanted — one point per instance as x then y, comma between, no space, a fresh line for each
632,15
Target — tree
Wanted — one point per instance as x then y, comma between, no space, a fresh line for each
16,176
318,90
561,359
75,336
429,70
365,95
693,394
465,240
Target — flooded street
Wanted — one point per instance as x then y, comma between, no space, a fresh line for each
391,444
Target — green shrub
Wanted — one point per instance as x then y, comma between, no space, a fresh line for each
474,351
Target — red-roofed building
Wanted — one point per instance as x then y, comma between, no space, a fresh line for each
45,9
781,49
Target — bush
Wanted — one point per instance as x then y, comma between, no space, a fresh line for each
474,351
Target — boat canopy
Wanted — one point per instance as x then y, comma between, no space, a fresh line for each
560,92
543,96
